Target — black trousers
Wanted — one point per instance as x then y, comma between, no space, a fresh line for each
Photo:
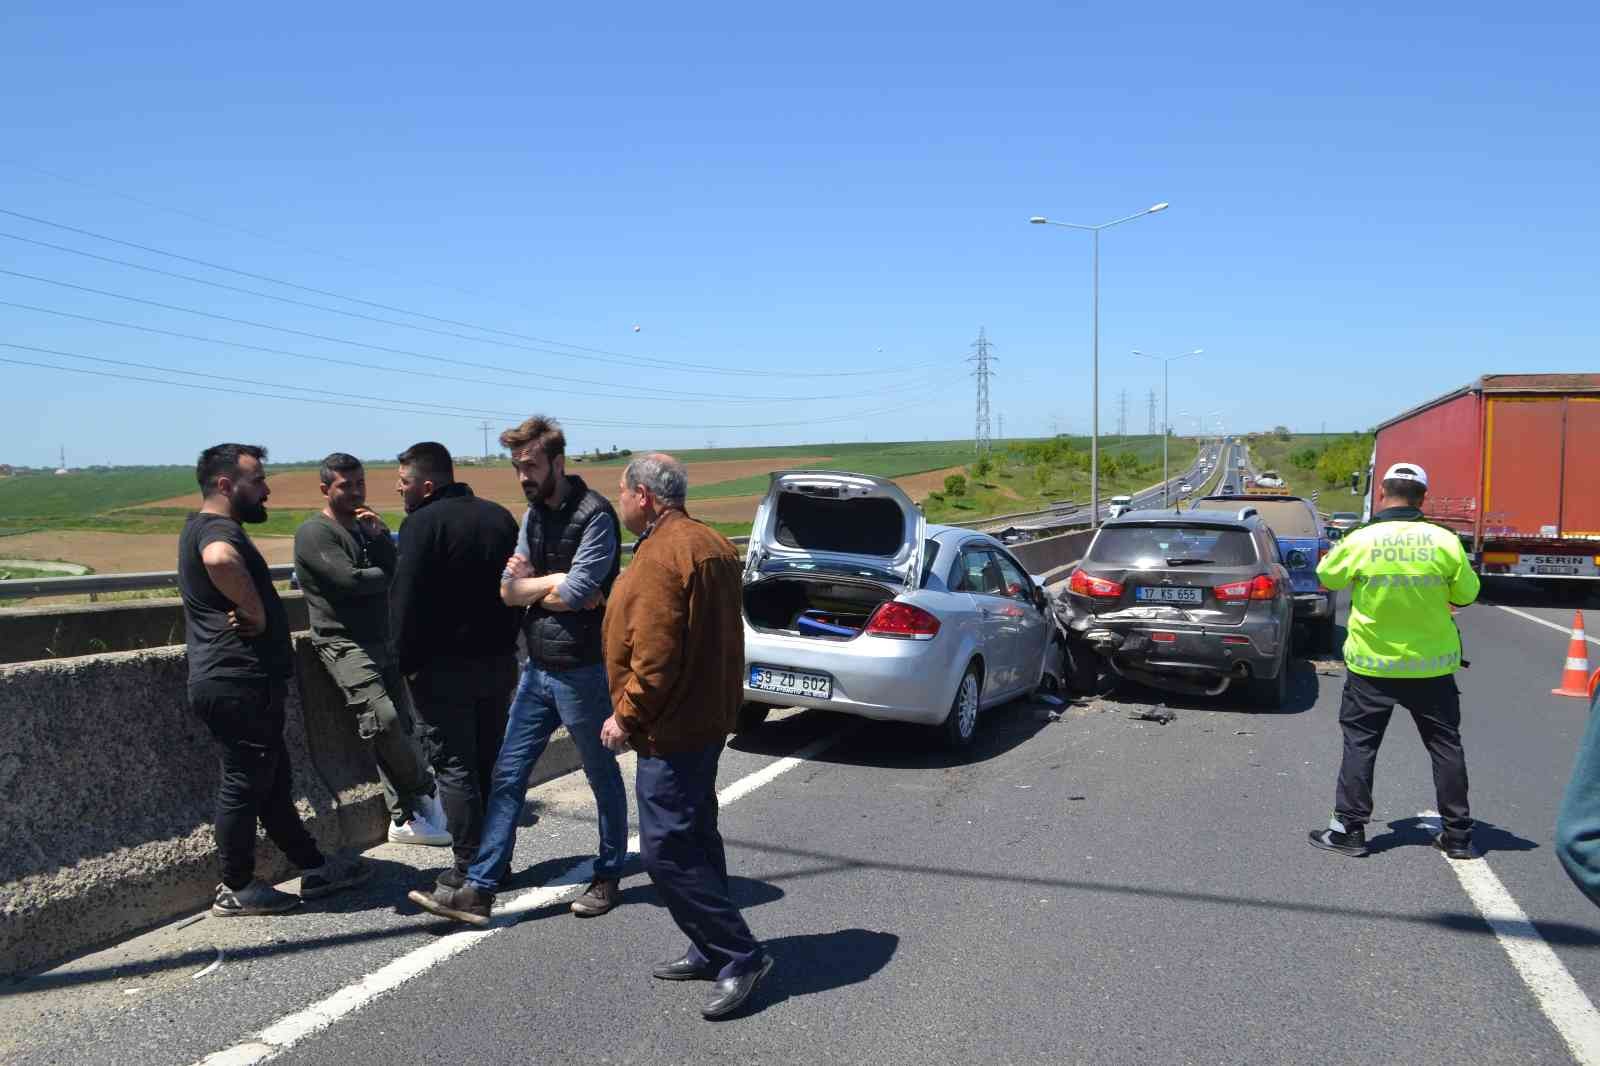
462,706
1435,705
246,720
683,854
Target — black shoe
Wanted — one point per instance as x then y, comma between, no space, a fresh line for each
452,878
465,904
1455,849
1353,843
730,993
684,969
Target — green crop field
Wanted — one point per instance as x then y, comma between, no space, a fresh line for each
881,460
87,492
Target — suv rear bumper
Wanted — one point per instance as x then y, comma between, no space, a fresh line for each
1317,605
1197,658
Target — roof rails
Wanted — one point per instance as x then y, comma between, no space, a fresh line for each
1246,512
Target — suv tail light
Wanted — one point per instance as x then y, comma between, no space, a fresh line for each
1260,587
1097,587
902,620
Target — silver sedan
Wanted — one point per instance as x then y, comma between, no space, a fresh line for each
853,604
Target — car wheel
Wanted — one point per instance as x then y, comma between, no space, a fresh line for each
751,715
962,722
1271,693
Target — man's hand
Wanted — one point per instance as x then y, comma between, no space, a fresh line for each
517,566
245,625
612,735
372,522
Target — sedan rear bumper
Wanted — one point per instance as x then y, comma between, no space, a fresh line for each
883,678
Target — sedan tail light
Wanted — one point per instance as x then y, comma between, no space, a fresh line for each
902,620
1260,587
1097,587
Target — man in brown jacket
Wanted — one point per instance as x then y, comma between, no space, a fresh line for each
674,655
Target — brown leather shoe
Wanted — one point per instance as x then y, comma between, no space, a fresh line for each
464,904
599,897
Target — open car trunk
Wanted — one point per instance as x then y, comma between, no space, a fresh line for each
820,606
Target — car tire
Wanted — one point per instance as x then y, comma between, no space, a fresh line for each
1271,693
961,724
751,715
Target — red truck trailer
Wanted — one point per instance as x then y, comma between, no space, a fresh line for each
1513,464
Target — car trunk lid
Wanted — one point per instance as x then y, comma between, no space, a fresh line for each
838,522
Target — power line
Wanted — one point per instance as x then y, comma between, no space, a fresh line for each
432,356
599,354
386,404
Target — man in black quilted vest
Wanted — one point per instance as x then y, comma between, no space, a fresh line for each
568,555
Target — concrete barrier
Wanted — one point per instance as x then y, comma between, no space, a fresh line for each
109,786
1051,557
62,630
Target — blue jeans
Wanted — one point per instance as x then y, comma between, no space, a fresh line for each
579,700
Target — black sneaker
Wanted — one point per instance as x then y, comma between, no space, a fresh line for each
1353,843
257,897
599,897
334,874
465,904
1455,849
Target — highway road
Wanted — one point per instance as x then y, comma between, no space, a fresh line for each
1082,888
1151,496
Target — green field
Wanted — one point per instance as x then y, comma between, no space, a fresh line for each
1316,462
881,460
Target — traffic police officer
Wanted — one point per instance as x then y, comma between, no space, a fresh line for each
1405,574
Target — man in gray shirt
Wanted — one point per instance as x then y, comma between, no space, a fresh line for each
568,555
345,561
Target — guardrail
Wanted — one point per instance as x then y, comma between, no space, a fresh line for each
95,584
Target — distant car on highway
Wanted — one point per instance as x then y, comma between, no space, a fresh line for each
1186,488
1119,505
1302,542
852,603
1343,521
1228,488
1195,603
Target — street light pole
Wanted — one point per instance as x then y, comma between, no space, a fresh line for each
1166,424
1094,437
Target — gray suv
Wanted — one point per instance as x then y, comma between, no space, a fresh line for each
1193,602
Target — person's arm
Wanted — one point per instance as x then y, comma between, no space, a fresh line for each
580,588
319,553
654,619
1338,567
521,591
227,570
407,598
380,546
1465,584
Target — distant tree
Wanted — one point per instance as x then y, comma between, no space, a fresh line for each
983,467
1281,432
955,485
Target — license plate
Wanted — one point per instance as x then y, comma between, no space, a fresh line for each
1564,571
1168,595
791,682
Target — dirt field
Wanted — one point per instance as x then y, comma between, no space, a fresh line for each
743,508
123,553
299,489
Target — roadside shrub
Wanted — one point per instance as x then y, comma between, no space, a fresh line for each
955,485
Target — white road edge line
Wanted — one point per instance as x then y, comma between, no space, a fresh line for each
1557,626
291,1029
1559,996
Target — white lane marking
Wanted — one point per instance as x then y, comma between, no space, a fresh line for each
1558,627
291,1029
1559,996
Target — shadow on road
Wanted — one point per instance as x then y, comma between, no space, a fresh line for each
821,962
1415,832
1514,592
1305,686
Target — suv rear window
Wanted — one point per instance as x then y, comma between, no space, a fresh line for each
1145,546
1288,518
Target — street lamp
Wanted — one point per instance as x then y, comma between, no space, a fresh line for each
1094,437
1166,426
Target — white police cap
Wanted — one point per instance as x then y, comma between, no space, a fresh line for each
1407,472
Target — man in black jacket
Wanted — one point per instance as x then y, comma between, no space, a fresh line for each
455,641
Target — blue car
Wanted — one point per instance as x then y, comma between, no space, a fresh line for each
1302,542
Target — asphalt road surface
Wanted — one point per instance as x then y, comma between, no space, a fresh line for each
1091,888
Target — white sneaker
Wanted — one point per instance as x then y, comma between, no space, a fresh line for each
419,831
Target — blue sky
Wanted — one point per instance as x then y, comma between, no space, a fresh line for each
1367,209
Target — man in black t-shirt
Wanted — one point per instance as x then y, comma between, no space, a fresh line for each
239,663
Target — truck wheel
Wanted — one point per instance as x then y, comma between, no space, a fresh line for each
751,715
962,722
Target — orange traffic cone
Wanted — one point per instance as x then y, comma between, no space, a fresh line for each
1575,679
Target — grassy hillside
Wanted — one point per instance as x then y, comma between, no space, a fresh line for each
1319,462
